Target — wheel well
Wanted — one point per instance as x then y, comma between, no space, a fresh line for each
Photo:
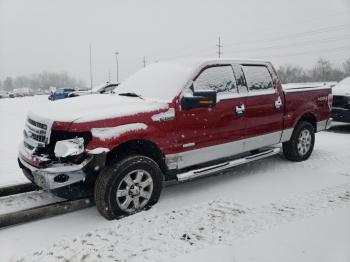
309,117
141,147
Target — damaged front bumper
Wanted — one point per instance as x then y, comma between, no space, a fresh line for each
59,175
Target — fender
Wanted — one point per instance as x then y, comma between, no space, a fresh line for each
110,138
292,117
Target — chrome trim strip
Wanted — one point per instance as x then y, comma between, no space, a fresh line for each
286,134
321,125
226,96
329,123
303,89
206,154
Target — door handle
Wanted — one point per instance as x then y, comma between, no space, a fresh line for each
240,110
278,103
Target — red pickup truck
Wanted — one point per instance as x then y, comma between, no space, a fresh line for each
170,121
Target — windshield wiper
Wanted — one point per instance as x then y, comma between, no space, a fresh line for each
131,95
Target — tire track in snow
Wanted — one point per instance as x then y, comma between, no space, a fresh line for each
159,237
22,201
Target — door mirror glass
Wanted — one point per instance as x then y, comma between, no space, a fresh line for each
199,99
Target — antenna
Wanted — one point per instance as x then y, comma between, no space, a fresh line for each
219,45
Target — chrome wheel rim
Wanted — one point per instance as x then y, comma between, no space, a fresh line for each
134,191
304,142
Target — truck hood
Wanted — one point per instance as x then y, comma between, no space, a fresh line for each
95,107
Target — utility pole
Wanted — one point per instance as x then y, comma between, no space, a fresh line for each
116,60
219,45
144,61
90,71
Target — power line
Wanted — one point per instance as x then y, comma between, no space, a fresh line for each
292,44
341,48
301,22
302,34
272,39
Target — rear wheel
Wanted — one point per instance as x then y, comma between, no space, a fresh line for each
128,186
301,144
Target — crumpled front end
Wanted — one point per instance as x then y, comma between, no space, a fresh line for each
54,159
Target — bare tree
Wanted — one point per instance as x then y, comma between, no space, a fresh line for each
290,73
43,81
322,70
8,84
346,67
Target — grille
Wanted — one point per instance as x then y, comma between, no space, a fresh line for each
28,146
340,101
37,124
35,131
38,138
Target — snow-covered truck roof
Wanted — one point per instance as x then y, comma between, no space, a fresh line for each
164,80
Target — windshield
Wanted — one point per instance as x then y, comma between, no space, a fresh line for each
159,81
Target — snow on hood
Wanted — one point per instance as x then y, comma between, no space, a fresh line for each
342,88
113,132
95,107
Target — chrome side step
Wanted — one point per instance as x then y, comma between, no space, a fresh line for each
226,165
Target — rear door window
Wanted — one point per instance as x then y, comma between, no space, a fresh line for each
258,78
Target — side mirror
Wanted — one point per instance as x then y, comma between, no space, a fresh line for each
200,99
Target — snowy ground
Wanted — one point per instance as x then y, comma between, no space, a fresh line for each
272,210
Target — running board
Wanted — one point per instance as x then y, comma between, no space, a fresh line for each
226,165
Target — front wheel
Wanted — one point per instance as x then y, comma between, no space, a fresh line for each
128,186
301,144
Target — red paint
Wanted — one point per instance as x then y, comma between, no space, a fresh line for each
212,126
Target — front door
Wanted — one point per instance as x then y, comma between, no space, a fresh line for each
208,134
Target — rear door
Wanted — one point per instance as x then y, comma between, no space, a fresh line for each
208,134
264,108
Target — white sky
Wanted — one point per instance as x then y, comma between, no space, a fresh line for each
54,35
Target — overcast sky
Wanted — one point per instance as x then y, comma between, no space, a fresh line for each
54,35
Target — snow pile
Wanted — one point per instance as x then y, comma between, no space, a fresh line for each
98,150
168,115
113,132
317,85
186,230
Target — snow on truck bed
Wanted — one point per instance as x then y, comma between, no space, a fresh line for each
307,86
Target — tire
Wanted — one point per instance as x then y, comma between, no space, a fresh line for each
301,144
134,177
